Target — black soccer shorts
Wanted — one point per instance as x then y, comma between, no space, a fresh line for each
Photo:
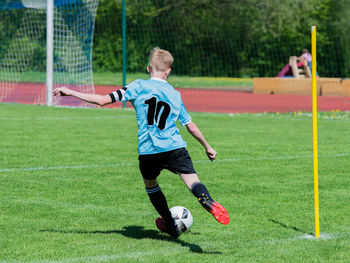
177,161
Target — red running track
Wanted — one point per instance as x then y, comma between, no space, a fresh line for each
202,100
230,101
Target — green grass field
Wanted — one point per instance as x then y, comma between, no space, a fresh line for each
70,189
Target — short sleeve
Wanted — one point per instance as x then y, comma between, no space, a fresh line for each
184,117
132,91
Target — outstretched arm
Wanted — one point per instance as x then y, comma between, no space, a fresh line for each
196,133
91,98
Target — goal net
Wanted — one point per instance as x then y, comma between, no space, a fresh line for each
23,49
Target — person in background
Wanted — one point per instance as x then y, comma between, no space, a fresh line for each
304,60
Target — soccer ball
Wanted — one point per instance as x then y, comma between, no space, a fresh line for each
182,216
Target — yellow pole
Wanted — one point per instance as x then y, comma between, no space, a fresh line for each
314,128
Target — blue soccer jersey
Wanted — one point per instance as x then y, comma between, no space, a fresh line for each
158,105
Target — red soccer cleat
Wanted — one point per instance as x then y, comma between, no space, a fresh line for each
218,211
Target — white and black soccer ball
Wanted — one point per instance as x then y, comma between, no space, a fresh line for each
182,216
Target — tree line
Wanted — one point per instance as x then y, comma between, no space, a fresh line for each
237,38
233,38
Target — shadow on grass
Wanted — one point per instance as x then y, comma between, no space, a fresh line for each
137,232
290,227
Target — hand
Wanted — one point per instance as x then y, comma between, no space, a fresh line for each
63,91
211,153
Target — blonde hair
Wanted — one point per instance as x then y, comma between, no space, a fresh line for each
160,59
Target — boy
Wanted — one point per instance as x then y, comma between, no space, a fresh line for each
158,105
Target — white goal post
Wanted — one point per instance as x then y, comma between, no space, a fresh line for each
49,50
45,44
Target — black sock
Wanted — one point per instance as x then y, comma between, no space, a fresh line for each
159,202
201,192
198,189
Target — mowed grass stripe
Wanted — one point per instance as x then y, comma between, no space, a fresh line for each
25,169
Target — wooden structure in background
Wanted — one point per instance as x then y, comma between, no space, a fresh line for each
302,86
302,71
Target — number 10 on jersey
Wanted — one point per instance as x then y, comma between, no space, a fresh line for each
154,108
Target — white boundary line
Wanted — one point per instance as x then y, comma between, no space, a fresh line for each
141,254
98,258
23,169
43,168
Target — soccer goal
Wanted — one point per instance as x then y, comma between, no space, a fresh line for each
45,44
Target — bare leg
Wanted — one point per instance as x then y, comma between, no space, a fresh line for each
190,179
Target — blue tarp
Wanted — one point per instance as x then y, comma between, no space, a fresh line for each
14,4
17,4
